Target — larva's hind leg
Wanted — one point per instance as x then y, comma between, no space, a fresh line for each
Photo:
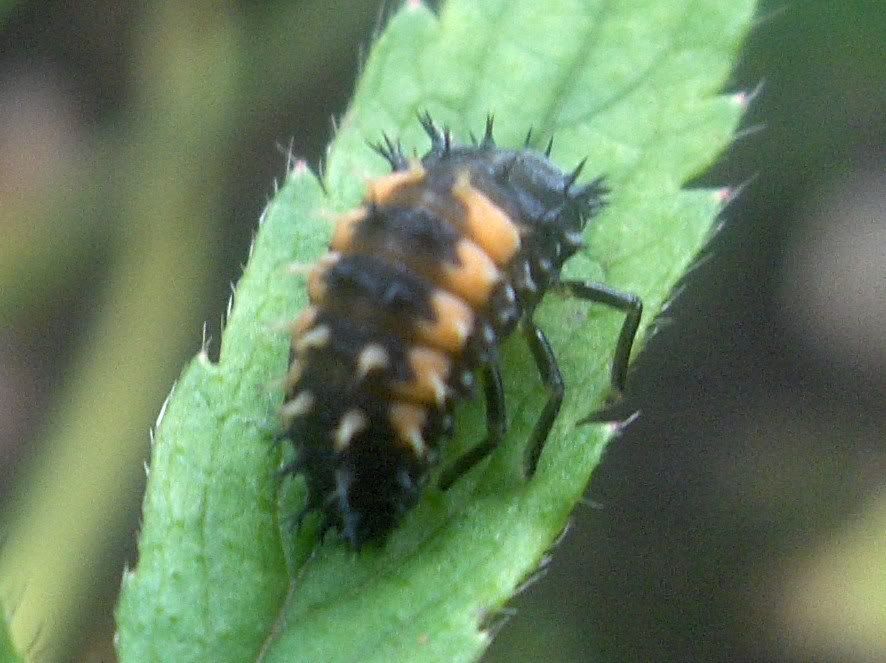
496,426
549,370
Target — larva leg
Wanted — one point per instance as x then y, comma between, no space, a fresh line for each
552,379
626,302
496,426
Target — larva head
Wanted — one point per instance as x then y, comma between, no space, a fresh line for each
546,195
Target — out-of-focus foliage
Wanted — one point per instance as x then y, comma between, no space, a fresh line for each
8,653
834,607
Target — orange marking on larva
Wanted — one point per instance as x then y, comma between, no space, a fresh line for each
384,190
475,276
430,370
345,227
486,223
407,421
454,323
316,279
304,322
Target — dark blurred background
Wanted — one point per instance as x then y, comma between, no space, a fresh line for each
743,517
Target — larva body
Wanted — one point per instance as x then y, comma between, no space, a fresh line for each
446,257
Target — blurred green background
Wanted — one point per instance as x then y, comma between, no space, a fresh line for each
743,517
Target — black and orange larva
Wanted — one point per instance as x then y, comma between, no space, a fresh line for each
446,257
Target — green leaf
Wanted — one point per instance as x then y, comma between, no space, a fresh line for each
636,87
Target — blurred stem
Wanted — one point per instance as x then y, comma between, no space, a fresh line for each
50,227
186,106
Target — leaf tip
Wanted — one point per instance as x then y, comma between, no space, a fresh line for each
724,195
300,168
744,98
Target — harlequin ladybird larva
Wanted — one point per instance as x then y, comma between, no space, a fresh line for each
447,256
